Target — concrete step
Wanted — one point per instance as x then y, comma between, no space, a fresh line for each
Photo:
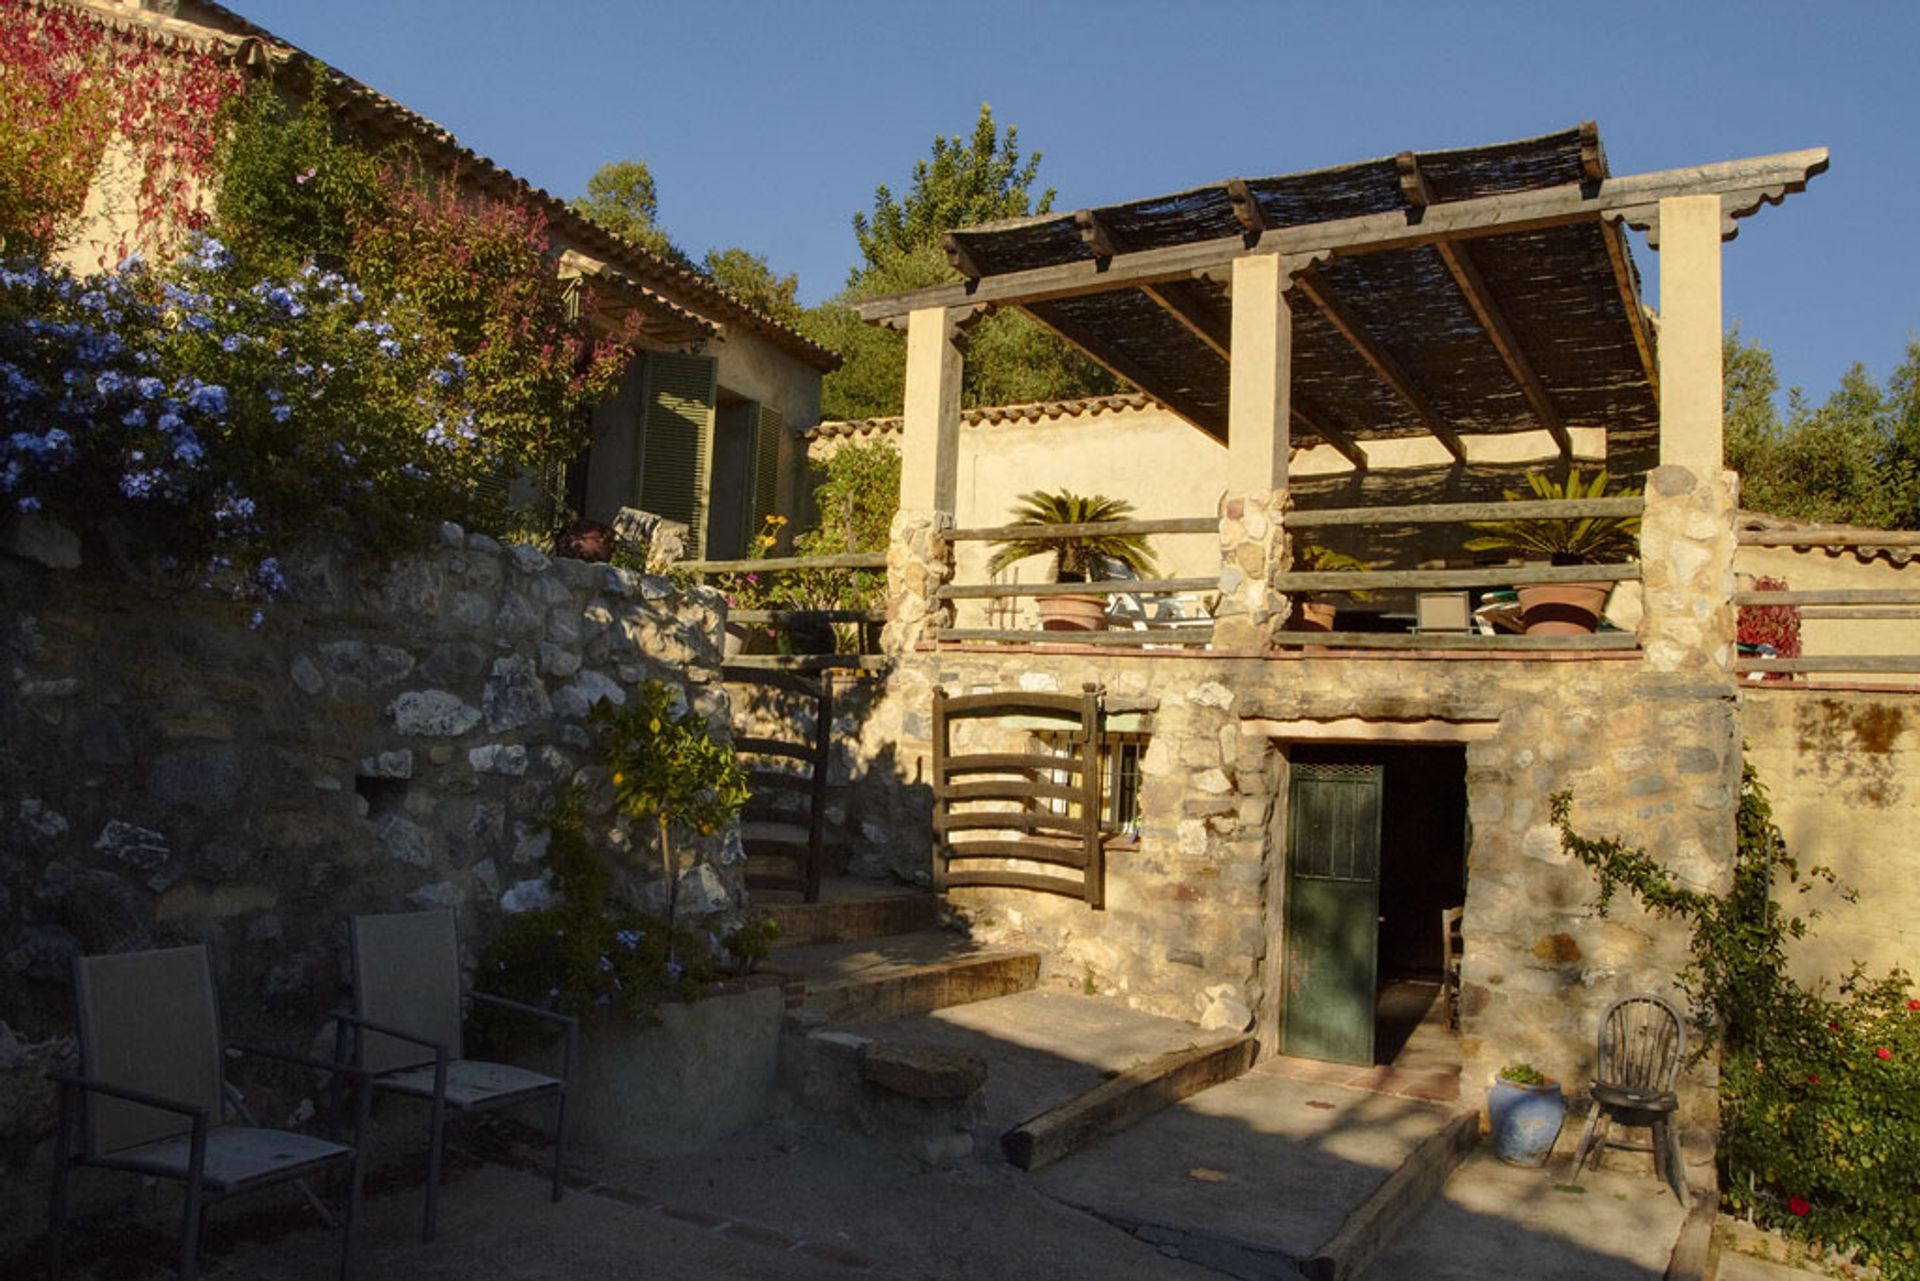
871,979
1267,1176
849,908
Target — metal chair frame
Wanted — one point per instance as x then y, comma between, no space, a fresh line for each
205,1126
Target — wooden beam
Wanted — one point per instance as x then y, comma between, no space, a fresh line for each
1760,178
1817,537
1119,365
1615,237
1450,513
1316,420
1593,156
958,258
1466,274
1382,361
1095,235
1180,299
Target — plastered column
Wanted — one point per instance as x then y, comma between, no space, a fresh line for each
1253,548
1690,332
930,435
1260,376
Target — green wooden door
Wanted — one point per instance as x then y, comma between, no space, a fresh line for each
676,442
1333,905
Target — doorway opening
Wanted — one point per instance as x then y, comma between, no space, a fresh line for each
1376,859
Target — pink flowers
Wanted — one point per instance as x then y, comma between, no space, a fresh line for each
1799,1206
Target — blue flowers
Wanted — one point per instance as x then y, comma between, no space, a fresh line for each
628,939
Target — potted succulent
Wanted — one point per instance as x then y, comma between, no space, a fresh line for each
1524,1111
1078,558
1311,614
1562,609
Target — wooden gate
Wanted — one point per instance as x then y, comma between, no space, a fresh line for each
1029,815
784,839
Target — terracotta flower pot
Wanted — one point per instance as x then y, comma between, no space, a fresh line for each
1073,613
1562,609
1312,616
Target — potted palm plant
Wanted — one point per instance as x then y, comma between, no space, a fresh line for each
1310,613
1562,609
1077,558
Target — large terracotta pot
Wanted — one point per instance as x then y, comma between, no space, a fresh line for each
1562,609
1073,613
1312,616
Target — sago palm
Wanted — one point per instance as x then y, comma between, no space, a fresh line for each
1085,556
1581,540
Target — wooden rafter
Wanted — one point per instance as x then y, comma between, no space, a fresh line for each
1745,184
1466,274
1382,361
1245,207
958,257
1116,363
1180,299
1320,423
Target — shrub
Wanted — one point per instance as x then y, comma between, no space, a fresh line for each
1820,1095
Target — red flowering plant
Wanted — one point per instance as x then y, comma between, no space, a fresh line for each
1770,631
1819,1091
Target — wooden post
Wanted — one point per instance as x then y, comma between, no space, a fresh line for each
930,439
1260,379
1690,334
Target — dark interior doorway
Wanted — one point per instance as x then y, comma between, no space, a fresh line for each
1422,828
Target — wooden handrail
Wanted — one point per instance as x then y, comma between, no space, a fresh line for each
1827,538
1447,513
779,617
1833,596
1152,636
1105,587
1832,663
771,564
1342,580
1014,533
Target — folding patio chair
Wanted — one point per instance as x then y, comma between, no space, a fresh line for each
406,1024
149,1098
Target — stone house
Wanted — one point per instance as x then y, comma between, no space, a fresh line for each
702,428
1364,357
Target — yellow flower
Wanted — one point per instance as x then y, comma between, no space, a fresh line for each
653,726
618,778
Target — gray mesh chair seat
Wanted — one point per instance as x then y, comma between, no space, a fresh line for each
1642,1045
472,1085
406,1032
150,1098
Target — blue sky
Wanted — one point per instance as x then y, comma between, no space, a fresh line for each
768,124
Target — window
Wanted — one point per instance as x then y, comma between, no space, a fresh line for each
1120,753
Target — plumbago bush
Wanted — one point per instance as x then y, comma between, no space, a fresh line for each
1819,1093
230,420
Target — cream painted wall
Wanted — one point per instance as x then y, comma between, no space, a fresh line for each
1843,772
1809,569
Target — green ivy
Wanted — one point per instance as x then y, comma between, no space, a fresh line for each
1820,1094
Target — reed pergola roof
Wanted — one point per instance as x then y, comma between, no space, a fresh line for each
1480,290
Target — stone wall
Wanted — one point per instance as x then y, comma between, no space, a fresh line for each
1193,914
382,741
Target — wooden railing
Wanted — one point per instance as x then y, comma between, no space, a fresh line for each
786,620
1882,604
1305,581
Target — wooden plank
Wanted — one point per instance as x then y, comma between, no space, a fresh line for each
1385,365
1592,642
774,564
777,781
1692,1256
747,745
1008,789
810,662
1001,763
1071,888
1097,237
1012,702
1105,587
1827,538
1182,300
1253,219
957,256
1345,580
781,617
1115,638
1372,1226
1052,850
1832,663
1615,237
1448,513
1319,421
1032,822
1508,213
1810,613
1493,321
1008,533
1833,596
1132,1096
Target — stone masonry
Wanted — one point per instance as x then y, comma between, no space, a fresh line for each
383,741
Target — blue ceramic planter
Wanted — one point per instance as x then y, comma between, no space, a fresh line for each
1525,1120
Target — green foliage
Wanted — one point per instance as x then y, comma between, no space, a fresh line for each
1309,554
748,277
666,765
1087,556
1588,540
1010,359
855,495
1820,1095
1523,1074
1855,459
621,197
293,187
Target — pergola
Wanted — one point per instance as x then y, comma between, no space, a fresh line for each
1459,294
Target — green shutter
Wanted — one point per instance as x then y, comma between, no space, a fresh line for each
766,467
676,448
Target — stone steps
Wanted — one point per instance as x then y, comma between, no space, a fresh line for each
850,910
871,979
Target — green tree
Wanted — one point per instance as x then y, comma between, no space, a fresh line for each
967,179
748,277
621,197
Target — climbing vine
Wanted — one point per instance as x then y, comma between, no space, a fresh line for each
72,86
1819,1093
